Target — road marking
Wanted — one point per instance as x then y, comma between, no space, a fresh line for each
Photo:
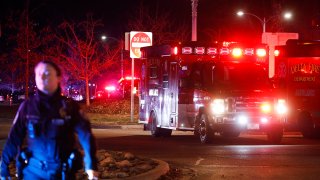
256,166
235,166
198,161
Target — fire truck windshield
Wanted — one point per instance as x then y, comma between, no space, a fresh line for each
242,76
231,75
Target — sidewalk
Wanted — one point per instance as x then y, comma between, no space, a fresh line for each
116,126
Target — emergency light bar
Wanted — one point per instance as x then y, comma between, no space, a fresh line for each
235,51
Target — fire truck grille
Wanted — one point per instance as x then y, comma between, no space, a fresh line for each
248,104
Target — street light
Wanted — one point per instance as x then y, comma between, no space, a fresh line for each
104,38
264,21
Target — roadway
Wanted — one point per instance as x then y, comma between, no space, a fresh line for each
250,156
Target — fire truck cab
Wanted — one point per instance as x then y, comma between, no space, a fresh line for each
297,77
222,88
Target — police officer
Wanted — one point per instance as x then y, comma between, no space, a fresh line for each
43,133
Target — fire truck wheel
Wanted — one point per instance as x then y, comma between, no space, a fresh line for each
275,136
306,125
166,132
206,134
155,131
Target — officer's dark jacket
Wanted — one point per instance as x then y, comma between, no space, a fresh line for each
47,127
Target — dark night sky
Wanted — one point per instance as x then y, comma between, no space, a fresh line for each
218,15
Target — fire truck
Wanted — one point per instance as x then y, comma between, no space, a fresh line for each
216,89
297,76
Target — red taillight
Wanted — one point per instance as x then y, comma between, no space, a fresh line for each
261,52
276,52
236,52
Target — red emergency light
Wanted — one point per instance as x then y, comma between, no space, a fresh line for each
130,77
224,51
276,52
199,50
175,50
261,52
110,88
249,51
186,50
236,52
212,51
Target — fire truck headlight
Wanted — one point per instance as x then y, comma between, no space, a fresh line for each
217,106
266,108
281,107
243,120
264,120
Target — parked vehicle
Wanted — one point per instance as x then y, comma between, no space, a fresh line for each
297,77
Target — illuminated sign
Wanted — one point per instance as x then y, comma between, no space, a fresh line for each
306,68
138,40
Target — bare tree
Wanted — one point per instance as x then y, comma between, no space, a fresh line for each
83,54
276,23
164,27
22,44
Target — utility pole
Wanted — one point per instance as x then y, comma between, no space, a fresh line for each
194,6
121,63
27,51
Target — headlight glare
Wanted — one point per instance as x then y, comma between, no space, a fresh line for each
243,120
217,106
281,107
266,107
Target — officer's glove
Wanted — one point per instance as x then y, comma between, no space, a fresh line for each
92,175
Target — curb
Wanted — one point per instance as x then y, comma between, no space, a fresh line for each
114,126
153,174
286,133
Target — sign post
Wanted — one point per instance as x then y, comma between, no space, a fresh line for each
137,40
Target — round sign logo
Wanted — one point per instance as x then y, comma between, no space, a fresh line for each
282,70
138,40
